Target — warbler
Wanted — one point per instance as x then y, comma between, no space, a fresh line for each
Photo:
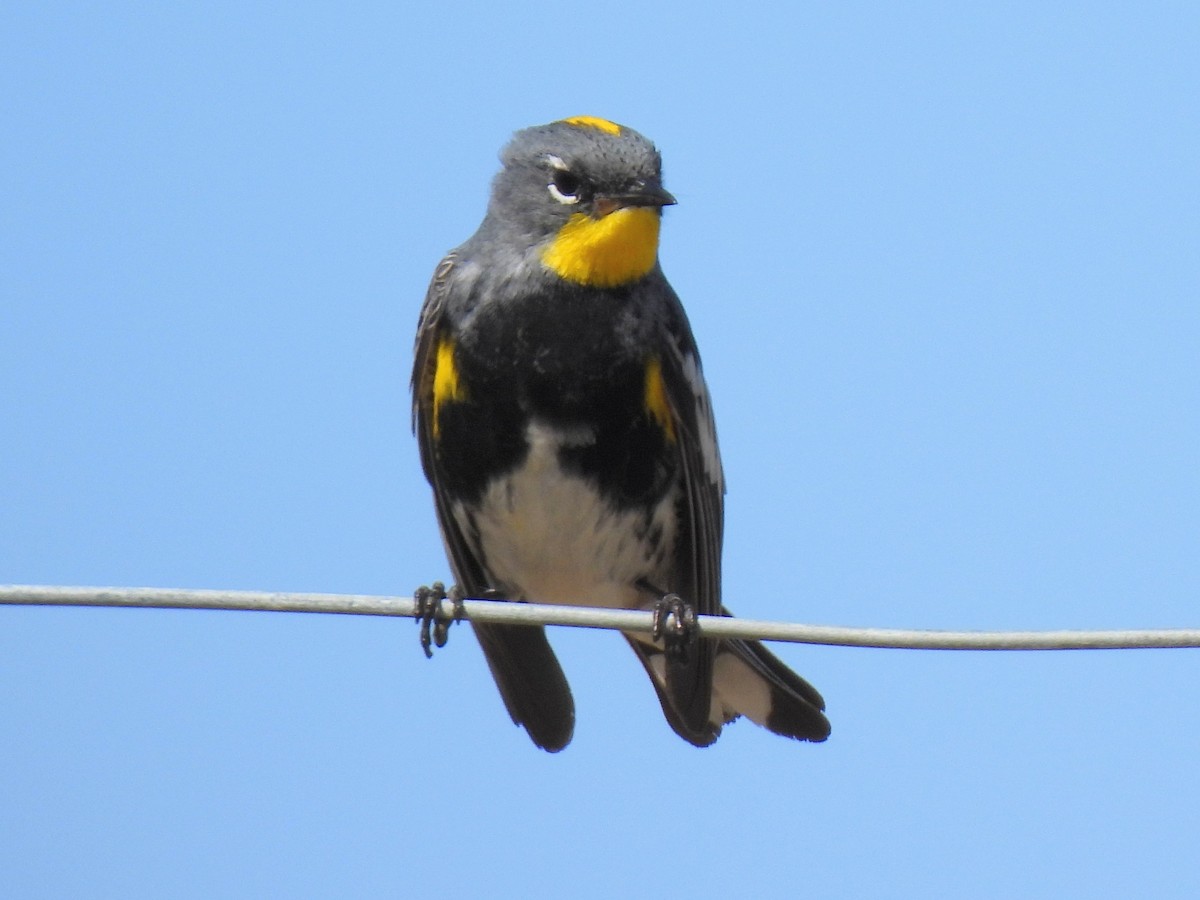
565,427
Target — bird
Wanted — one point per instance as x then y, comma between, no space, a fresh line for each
567,433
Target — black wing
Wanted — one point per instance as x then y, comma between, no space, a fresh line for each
701,523
526,671
795,707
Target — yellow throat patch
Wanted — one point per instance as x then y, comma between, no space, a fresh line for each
606,252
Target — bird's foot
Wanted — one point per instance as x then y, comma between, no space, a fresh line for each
435,625
675,626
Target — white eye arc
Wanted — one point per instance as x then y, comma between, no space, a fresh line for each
558,195
564,186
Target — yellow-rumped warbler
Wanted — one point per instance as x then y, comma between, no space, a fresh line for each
566,429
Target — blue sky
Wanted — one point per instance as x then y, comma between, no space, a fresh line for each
942,265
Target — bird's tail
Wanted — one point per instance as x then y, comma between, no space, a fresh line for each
748,680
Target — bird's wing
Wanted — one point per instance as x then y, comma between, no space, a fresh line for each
688,682
526,671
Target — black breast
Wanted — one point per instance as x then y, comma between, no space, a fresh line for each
575,361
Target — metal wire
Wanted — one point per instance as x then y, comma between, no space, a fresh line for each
590,617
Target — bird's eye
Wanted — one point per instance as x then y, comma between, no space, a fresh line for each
564,187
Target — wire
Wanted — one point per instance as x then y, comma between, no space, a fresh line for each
503,612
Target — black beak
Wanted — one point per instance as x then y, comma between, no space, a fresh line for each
642,195
655,195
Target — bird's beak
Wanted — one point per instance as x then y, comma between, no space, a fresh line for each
643,195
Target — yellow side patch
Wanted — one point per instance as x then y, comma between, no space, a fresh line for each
594,122
447,388
614,250
656,400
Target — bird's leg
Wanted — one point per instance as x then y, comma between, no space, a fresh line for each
428,600
435,626
675,626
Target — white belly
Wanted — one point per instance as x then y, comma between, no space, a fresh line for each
549,537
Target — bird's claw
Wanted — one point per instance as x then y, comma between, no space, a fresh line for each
435,625
675,626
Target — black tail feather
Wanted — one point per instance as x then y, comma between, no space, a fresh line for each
531,682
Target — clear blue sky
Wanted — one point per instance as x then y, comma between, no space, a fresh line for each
942,262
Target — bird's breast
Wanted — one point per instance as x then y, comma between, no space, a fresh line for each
569,365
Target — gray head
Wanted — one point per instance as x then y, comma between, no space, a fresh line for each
566,179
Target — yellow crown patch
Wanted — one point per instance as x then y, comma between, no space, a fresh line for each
594,122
